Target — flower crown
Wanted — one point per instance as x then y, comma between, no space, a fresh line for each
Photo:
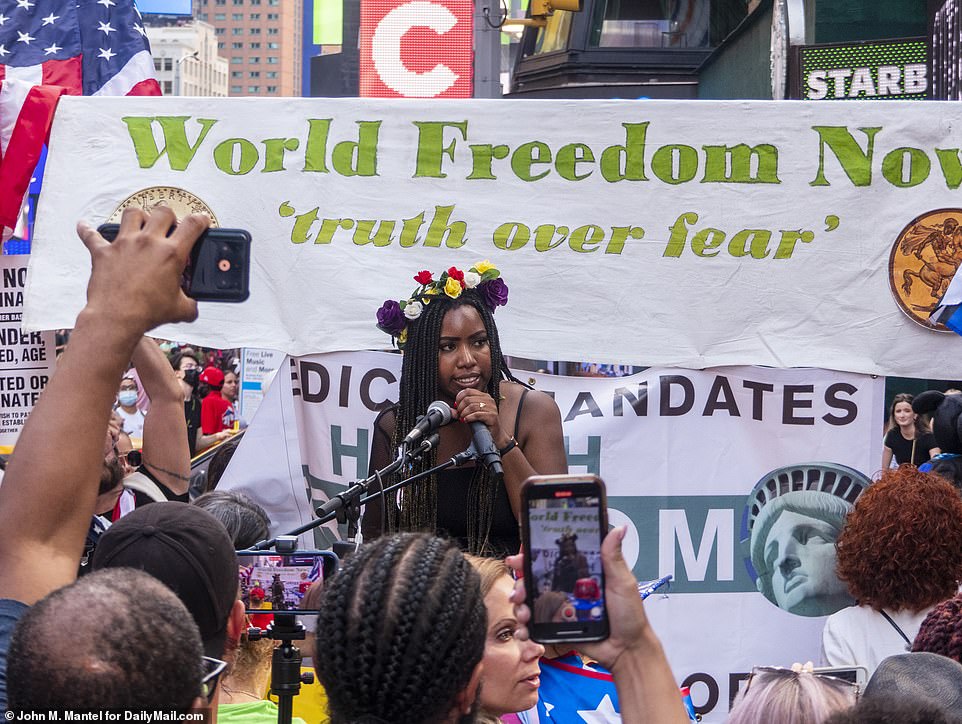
394,316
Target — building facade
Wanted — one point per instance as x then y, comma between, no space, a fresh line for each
261,40
186,59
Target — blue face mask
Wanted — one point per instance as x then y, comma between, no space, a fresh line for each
127,398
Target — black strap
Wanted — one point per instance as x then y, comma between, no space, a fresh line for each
517,415
896,627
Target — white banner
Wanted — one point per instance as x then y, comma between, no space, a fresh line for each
26,359
785,234
680,451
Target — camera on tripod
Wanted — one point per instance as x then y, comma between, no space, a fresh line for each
276,589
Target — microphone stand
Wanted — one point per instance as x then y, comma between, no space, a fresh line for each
457,461
346,506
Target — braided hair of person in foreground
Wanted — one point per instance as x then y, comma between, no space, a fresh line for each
402,628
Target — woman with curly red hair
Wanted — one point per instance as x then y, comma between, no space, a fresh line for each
900,553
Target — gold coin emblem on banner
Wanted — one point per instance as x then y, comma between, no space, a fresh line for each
181,202
923,261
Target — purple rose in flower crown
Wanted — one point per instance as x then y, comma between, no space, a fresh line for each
494,293
390,318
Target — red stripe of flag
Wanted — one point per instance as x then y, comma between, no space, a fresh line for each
66,73
23,151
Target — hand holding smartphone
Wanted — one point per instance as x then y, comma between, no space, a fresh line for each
219,266
564,520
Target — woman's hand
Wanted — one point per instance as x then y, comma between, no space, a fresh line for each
478,406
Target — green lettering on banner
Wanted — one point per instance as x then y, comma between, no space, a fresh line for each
718,159
856,163
431,148
179,150
527,155
894,163
695,538
358,158
626,163
591,459
358,451
951,167
235,156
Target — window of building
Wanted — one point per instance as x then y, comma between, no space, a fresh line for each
271,74
255,46
272,60
220,16
168,87
273,46
235,60
237,74
272,89
218,31
253,89
657,24
156,63
273,2
168,63
238,2
273,16
236,45
255,2
237,31
272,31
236,89
237,16
202,16
220,46
220,2
254,74
255,16
255,31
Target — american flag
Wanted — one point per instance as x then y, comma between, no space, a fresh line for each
86,47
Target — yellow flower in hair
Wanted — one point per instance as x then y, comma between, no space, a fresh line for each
452,288
482,266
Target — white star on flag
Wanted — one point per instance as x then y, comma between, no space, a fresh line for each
106,54
25,4
106,3
604,714
50,19
24,37
52,49
140,29
106,28
3,51
3,19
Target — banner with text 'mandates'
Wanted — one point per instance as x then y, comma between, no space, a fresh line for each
683,234
734,480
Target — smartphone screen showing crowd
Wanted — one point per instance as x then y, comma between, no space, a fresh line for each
219,265
564,520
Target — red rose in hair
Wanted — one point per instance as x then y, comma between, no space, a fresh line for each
457,275
423,277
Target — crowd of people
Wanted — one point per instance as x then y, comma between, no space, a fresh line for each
120,586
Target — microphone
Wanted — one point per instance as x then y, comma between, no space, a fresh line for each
438,415
484,446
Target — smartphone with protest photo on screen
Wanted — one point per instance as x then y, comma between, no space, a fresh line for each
564,518
271,582
219,266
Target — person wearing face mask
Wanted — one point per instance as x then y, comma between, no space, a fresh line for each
131,416
187,369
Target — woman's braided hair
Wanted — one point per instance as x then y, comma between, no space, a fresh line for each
419,387
401,628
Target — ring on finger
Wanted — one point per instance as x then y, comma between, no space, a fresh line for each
480,405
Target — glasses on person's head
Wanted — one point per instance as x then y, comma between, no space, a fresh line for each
213,668
850,688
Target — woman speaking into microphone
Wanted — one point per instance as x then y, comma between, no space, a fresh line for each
451,353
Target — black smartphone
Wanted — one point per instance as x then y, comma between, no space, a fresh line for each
272,582
564,518
219,266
